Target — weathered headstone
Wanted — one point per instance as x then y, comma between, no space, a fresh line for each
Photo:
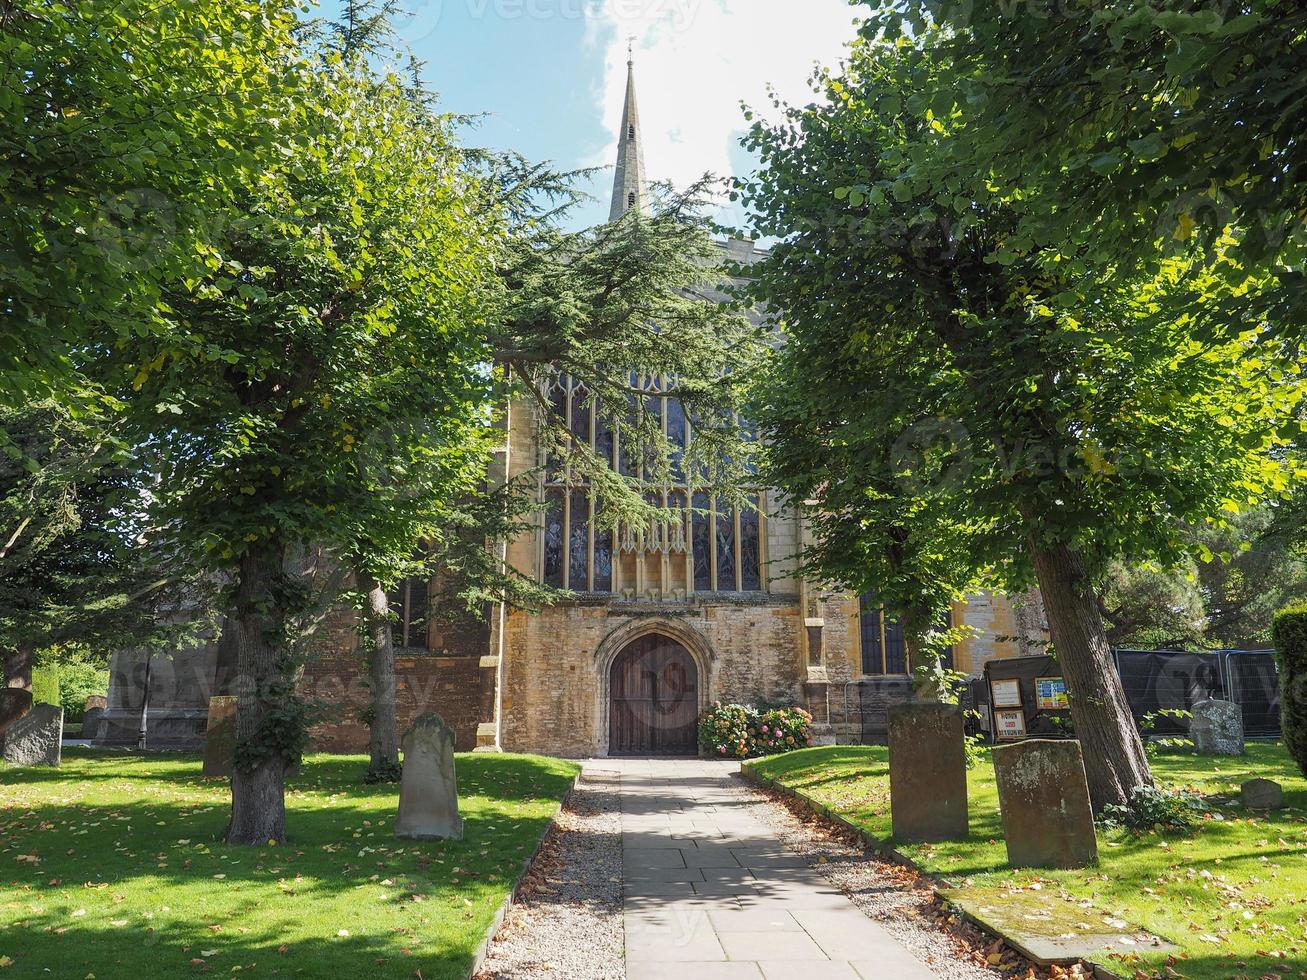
1044,799
35,739
1262,794
14,703
93,715
927,772
1217,728
220,738
428,790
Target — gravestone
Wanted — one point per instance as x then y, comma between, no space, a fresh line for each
35,739
428,789
927,772
93,715
1217,728
220,739
1044,799
14,703
1262,794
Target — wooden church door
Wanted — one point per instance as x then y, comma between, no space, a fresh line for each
653,699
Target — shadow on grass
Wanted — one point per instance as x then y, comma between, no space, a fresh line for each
131,878
55,949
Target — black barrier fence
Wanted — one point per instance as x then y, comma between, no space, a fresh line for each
1156,681
1020,696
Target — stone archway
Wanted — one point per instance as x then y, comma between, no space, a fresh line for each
658,670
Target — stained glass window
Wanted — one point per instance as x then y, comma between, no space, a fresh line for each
578,543
725,547
603,558
750,552
721,546
884,647
554,538
701,532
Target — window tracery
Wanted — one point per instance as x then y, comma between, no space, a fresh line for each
706,545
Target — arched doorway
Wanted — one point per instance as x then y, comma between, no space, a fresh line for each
653,699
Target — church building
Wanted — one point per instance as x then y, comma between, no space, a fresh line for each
662,623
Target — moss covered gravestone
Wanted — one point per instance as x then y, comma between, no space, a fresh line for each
1044,798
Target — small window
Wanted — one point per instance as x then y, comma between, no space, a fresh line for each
630,133
410,605
884,647
630,200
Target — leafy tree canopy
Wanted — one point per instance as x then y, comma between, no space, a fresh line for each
970,411
1131,132
126,127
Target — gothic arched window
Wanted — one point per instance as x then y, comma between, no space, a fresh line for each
708,545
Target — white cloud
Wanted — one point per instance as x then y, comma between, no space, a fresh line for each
696,60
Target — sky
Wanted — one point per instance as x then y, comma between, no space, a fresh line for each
548,77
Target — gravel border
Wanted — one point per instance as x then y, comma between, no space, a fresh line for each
566,918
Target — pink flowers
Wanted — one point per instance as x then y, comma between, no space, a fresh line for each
743,731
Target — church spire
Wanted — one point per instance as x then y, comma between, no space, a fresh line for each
629,190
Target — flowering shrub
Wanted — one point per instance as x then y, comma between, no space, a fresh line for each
737,731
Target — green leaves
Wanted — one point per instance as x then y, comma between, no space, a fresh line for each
969,363
127,128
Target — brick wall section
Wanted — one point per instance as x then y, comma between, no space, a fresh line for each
336,677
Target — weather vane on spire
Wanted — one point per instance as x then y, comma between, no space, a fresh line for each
630,50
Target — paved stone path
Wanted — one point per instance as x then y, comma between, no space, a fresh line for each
709,893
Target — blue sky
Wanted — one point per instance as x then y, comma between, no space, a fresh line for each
549,74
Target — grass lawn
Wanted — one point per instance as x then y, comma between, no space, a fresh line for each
1232,895
113,866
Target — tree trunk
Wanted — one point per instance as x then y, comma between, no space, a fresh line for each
258,803
383,744
1115,762
18,668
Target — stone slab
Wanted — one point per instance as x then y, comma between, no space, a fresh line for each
220,738
771,946
1044,800
1216,728
35,739
1262,794
428,792
1048,930
692,971
92,722
927,772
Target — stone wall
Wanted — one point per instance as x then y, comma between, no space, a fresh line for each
1004,627
554,696
335,678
